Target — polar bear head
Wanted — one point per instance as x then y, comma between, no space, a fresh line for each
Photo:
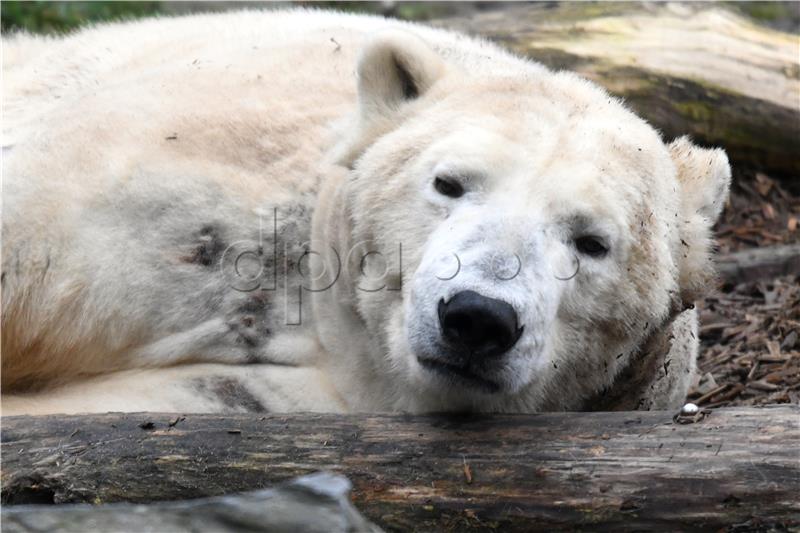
502,234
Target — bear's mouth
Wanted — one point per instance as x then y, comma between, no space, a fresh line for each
460,374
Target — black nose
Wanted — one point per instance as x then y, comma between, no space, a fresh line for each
483,326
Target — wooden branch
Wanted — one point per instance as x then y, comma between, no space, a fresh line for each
759,263
630,470
689,68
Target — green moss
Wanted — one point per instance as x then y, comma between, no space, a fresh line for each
756,133
764,11
695,110
783,16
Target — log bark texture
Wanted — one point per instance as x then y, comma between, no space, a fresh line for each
759,263
735,467
691,68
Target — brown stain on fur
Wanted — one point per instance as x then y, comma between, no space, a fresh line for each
630,387
208,248
231,393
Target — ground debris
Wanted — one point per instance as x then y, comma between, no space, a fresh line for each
750,347
760,212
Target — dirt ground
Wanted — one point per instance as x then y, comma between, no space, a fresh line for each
750,332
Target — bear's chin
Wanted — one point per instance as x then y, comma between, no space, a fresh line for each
452,382
458,377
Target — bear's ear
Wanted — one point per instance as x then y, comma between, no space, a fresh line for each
704,176
395,68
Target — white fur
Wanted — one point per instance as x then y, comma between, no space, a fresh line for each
143,163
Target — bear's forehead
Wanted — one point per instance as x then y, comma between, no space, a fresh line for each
537,111
570,149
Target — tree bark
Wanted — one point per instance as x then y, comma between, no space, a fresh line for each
692,68
598,471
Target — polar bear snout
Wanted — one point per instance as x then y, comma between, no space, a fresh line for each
478,326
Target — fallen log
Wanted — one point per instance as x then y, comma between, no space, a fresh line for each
688,68
759,263
620,470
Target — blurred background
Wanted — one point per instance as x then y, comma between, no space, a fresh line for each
48,17
53,17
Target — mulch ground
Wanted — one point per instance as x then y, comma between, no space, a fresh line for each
750,333
760,212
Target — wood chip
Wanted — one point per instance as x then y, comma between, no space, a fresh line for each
708,396
763,184
757,356
467,471
763,385
753,371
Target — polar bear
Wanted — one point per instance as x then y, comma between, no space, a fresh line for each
304,210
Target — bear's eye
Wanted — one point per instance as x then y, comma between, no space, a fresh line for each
448,187
591,246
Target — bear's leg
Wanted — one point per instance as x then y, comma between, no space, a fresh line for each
219,341
206,342
195,388
675,377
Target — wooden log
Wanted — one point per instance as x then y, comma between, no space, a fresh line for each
554,471
688,68
759,263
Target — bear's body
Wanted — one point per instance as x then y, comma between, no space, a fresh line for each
161,177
